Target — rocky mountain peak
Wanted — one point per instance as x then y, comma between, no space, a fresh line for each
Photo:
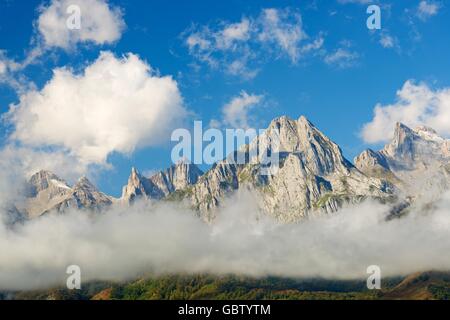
429,134
426,129
410,148
183,174
51,193
370,159
161,184
313,174
415,159
86,195
43,180
135,175
137,186
285,135
402,144
84,183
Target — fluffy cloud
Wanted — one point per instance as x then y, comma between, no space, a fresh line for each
115,105
239,47
24,162
100,23
427,9
417,104
235,113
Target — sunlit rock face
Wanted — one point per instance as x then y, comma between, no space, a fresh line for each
161,184
48,192
311,177
416,160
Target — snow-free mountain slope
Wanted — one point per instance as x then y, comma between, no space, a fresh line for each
48,192
416,160
307,174
162,184
313,175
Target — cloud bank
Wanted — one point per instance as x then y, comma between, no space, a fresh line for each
125,243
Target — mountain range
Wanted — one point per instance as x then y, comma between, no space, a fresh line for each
313,177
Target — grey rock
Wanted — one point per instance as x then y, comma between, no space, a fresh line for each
416,160
49,193
162,184
313,175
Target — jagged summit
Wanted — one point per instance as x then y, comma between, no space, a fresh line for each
285,135
428,130
51,193
418,158
161,184
45,179
312,176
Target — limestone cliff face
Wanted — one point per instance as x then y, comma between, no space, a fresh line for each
416,160
48,192
306,174
312,176
162,184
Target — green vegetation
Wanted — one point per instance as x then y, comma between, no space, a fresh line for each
179,195
232,287
328,197
426,285
440,292
86,293
245,176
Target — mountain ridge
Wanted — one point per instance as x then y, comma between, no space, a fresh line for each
313,176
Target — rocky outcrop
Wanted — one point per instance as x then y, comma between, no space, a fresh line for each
312,175
306,174
162,184
47,193
416,160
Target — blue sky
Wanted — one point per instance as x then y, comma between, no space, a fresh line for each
337,92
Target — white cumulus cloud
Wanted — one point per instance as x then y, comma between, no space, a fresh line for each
101,23
417,104
236,112
114,105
